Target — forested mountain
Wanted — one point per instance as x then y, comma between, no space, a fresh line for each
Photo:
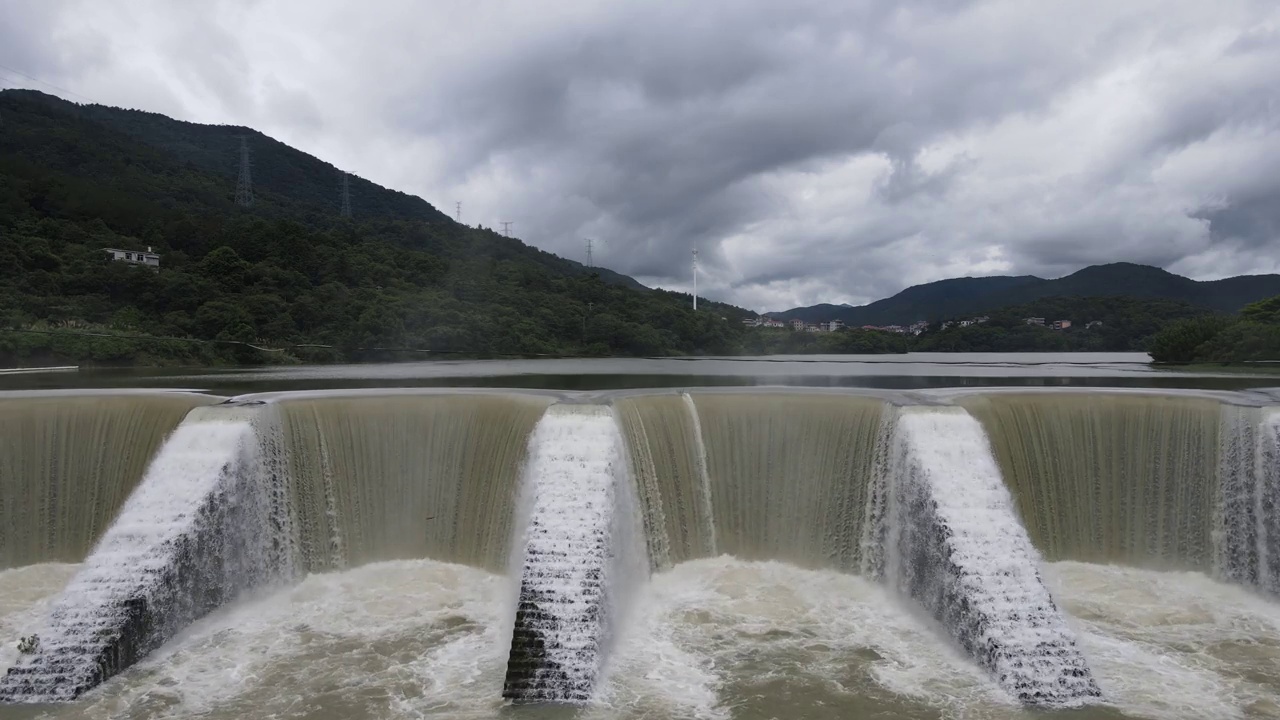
287,271
971,296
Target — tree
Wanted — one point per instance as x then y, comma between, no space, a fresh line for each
1180,341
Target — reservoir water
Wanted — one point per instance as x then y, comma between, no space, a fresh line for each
946,536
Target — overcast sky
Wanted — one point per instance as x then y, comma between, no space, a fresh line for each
833,151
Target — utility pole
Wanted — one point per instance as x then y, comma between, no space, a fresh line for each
346,195
457,211
244,183
506,228
590,261
695,279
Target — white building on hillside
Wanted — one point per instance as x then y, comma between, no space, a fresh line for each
135,257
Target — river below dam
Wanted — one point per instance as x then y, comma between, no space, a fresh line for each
962,537
716,639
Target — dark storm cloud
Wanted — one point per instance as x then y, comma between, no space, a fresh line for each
812,151
1251,221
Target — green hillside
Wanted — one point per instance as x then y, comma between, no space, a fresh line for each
286,272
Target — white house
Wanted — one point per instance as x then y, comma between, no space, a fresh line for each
135,257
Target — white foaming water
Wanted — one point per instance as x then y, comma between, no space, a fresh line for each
1247,524
1268,501
25,596
955,544
713,639
576,469
722,638
1174,645
130,563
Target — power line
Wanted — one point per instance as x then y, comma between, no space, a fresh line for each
695,279
457,211
346,195
506,227
244,183
49,84
590,261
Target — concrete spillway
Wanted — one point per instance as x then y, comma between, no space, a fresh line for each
955,546
581,502
187,540
576,470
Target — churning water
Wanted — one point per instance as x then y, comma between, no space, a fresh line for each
649,555
715,638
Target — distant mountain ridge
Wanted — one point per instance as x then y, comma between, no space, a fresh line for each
956,297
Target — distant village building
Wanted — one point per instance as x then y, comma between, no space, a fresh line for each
835,325
1034,321
1061,324
918,327
135,257
797,324
770,322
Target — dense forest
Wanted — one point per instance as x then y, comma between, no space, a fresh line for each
288,279
1252,336
284,274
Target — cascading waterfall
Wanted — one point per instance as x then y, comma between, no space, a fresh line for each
660,436
192,536
784,476
584,500
1268,507
1247,525
955,545
575,555
385,477
67,463
1237,522
875,526
1110,477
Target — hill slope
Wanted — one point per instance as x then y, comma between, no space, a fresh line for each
958,297
75,179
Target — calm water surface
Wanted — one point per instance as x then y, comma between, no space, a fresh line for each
913,371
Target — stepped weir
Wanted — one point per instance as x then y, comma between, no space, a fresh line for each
573,537
176,506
